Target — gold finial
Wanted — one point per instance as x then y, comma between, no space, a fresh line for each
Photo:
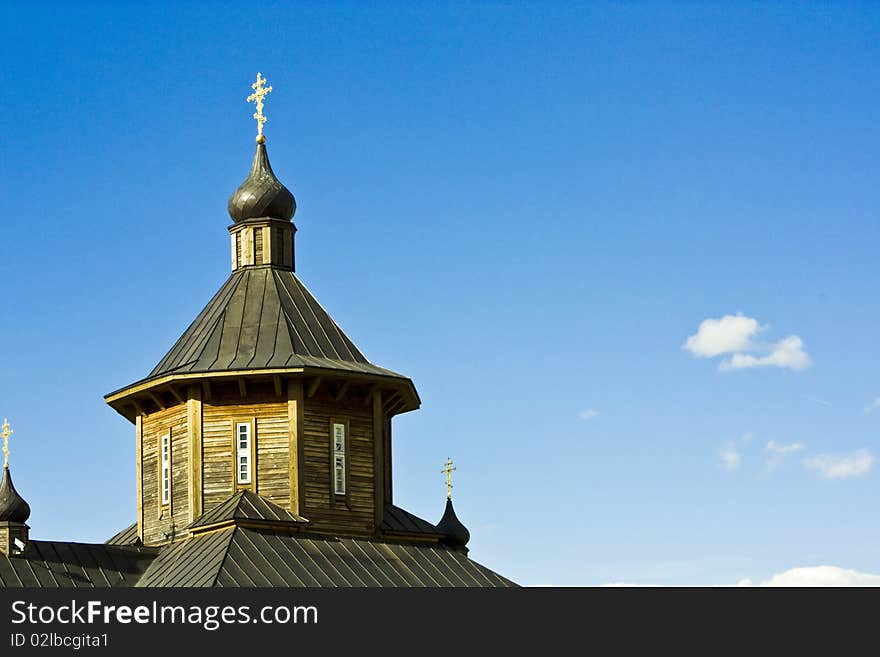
5,435
447,470
257,97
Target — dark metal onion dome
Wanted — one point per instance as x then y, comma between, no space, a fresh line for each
13,508
261,194
450,526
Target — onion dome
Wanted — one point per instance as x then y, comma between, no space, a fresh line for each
13,508
261,194
450,526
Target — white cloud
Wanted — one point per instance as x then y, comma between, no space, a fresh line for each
588,414
819,576
788,352
734,335
776,453
730,457
873,406
776,448
806,576
841,466
730,334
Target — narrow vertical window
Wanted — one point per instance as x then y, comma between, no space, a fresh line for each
338,458
165,468
243,452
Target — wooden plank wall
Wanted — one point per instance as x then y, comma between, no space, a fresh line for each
355,512
158,521
271,439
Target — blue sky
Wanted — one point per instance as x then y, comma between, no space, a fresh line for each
526,207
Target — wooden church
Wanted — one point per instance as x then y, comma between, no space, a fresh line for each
263,442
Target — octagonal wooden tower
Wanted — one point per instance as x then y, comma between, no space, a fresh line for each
264,392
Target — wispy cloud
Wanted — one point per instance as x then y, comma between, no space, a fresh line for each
730,456
841,466
873,406
735,335
777,452
588,414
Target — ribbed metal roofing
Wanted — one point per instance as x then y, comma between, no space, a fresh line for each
264,318
243,557
246,505
54,564
127,536
397,520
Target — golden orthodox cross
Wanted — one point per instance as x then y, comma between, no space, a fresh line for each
447,470
257,97
5,435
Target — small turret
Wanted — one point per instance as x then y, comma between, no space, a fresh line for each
14,511
455,534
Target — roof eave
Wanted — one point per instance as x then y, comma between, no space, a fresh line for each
120,399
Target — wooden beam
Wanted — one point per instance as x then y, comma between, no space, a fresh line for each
313,387
138,407
397,406
296,428
139,473
391,401
372,390
206,390
242,388
158,400
378,462
342,390
277,381
194,436
180,398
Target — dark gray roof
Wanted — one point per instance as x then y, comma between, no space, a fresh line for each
246,505
128,536
397,520
52,564
264,318
243,557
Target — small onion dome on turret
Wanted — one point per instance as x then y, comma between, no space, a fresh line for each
261,194
455,533
13,508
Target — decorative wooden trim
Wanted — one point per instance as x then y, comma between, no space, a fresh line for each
378,461
194,431
139,483
295,427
